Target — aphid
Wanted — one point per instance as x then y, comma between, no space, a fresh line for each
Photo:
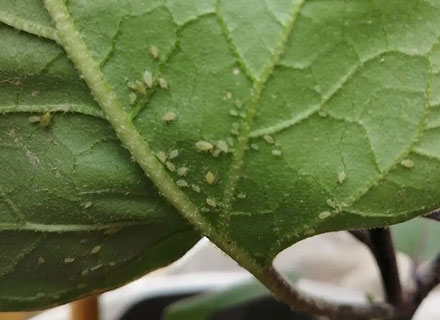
204,145
162,156
138,86
236,71
317,88
183,171
88,204
341,177
169,117
35,93
34,119
222,146
154,52
241,196
163,83
41,260
205,209
228,95
269,139
45,119
170,166
148,78
182,183
211,202
230,141
174,153
95,249
407,163
276,153
309,232
215,153
209,177
234,132
195,188
255,146
324,214
233,112
69,260
132,97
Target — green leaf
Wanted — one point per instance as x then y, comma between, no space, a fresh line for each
204,305
417,238
313,116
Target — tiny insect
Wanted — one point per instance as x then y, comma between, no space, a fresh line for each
204,145
209,177
45,119
154,52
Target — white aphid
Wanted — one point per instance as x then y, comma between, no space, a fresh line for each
162,156
211,202
95,249
183,171
174,153
209,177
255,146
148,78
222,146
169,117
163,83
324,214
241,196
69,260
341,177
233,112
215,153
170,166
34,119
88,204
132,97
195,188
182,183
276,152
407,163
204,145
269,139
154,52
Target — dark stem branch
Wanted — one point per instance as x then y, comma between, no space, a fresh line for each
427,280
362,235
304,303
435,215
383,249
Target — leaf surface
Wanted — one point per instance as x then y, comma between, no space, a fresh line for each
277,120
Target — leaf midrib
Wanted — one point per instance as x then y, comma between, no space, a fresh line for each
257,89
130,137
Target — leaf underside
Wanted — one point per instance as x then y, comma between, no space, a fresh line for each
329,111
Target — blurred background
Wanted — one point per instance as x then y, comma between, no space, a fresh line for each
206,284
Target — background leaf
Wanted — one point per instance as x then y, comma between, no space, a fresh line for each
204,305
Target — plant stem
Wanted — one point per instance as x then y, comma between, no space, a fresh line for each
85,309
383,249
363,236
435,215
316,306
427,280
